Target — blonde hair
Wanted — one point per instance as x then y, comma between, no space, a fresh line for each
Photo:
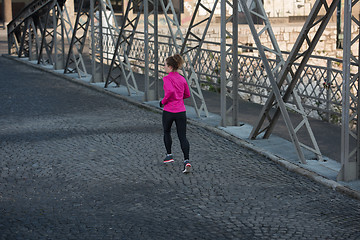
175,61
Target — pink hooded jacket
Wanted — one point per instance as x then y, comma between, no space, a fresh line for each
176,90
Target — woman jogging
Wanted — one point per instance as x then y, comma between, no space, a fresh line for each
176,90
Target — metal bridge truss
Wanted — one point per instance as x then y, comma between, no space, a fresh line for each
96,46
196,50
58,29
22,31
53,39
272,73
100,17
47,38
29,41
229,70
151,51
120,65
181,48
288,77
350,129
104,30
74,61
29,36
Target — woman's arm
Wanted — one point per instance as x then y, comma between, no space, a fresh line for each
186,91
169,91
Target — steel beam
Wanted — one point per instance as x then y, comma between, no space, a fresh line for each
74,61
350,129
34,41
229,69
23,51
151,51
96,42
58,38
47,39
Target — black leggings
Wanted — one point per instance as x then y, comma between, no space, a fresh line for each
180,120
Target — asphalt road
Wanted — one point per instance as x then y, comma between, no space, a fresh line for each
76,163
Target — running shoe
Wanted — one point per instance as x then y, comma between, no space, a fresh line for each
187,166
169,158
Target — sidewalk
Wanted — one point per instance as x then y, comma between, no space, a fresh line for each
276,148
3,41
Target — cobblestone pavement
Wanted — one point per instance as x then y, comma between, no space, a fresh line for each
80,164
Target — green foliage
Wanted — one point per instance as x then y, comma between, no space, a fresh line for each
210,85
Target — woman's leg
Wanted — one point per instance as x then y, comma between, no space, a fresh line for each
181,131
167,121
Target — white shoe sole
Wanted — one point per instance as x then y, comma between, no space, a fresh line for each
187,168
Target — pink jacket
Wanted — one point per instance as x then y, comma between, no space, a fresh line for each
176,90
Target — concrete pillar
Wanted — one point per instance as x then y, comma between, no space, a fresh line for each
7,11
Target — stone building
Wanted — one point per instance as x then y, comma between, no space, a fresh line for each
278,10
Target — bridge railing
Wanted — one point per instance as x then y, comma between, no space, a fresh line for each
320,86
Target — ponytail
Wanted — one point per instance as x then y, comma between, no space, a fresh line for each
175,61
